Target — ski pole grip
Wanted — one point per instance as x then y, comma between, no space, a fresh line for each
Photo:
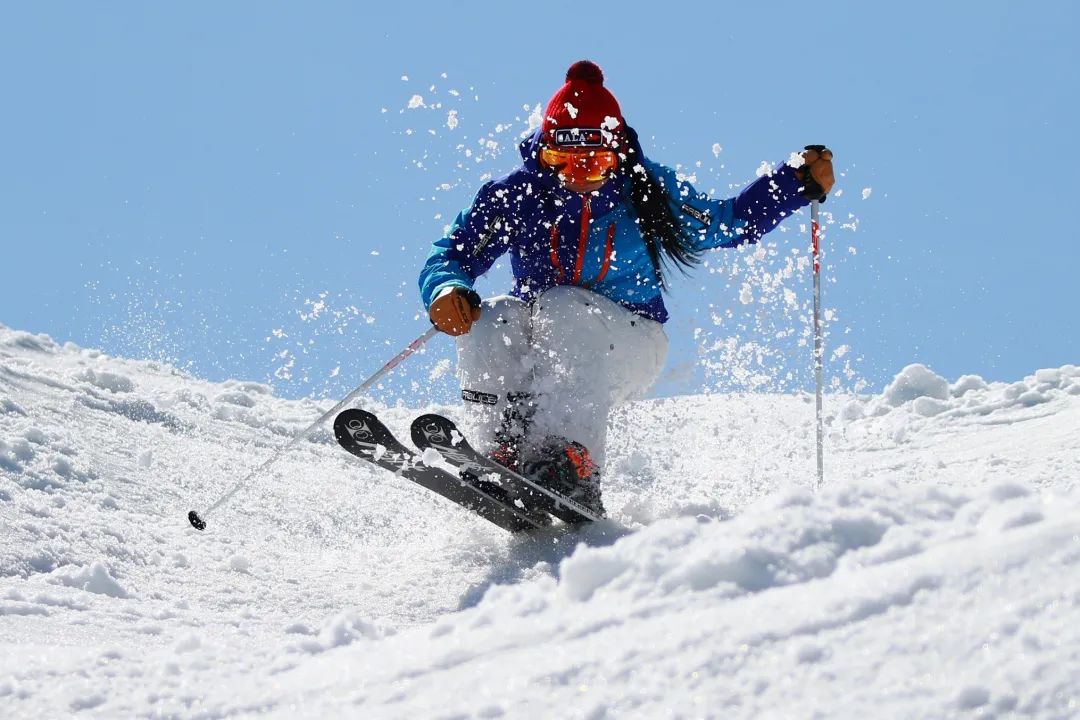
812,189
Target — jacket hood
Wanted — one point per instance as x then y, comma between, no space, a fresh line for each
530,153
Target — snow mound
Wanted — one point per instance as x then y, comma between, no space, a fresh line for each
111,381
26,341
349,627
791,541
915,381
966,384
918,391
94,579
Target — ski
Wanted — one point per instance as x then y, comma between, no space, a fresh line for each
365,436
441,434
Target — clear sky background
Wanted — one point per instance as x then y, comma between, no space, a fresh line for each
244,190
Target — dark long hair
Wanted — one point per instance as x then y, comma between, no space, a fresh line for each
668,242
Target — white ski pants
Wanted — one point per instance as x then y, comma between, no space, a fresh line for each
574,353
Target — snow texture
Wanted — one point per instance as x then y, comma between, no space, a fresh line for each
933,575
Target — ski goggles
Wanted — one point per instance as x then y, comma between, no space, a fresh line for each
580,165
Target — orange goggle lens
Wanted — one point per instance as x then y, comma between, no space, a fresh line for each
580,165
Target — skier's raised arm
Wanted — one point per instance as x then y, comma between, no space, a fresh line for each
757,209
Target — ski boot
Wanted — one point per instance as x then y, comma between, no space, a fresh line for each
565,467
506,454
517,418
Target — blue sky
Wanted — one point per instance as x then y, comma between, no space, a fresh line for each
242,189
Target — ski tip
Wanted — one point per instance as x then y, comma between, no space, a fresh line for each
431,430
196,522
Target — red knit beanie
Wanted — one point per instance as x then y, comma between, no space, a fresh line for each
583,104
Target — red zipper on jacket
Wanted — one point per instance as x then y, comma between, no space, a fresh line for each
609,247
583,242
555,251
583,238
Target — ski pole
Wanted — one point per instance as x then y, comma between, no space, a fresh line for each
196,518
819,349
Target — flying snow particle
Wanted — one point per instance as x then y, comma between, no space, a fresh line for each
535,120
716,149
746,295
866,192
416,101
572,110
451,119
440,369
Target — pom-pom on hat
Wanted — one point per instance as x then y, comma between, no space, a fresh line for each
583,103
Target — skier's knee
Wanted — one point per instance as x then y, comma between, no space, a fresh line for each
501,317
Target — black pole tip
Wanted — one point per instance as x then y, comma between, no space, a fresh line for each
196,522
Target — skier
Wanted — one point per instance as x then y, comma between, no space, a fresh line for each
592,226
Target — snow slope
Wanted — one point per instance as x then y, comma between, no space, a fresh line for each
933,576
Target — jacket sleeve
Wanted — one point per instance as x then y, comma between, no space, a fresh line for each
740,220
478,236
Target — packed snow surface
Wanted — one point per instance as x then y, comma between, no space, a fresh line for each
933,575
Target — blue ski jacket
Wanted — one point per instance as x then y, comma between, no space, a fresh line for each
558,237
